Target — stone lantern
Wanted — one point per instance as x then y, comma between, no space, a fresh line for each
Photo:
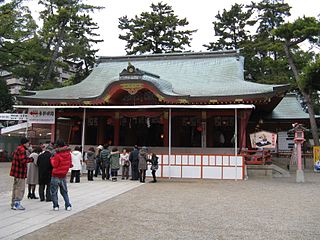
299,139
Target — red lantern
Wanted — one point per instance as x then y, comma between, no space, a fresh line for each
75,128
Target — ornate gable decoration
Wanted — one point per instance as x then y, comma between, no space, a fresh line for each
132,73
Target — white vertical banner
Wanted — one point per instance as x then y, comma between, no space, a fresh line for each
41,115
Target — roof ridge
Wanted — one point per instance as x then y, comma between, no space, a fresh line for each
176,55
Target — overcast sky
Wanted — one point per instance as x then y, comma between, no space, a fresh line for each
199,13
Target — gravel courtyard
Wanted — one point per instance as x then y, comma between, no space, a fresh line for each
259,208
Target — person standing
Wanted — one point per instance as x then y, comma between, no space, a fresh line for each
19,172
154,166
105,162
98,162
77,159
143,157
33,173
133,158
114,163
61,162
125,163
90,159
45,171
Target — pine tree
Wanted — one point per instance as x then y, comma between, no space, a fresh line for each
17,27
292,34
230,27
158,31
68,33
6,100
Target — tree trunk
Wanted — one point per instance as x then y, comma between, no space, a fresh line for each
56,50
307,98
313,123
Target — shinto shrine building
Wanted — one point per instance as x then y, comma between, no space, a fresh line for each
193,103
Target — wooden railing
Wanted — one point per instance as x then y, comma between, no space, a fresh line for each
257,157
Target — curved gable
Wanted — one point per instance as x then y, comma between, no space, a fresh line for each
198,78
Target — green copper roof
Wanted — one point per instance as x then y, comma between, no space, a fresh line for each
289,108
206,74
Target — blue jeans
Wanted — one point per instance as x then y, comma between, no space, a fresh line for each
54,185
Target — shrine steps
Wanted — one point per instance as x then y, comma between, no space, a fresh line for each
271,170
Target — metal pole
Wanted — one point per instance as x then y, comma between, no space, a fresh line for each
169,143
83,130
26,133
236,140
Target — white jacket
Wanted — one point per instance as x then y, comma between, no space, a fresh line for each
76,157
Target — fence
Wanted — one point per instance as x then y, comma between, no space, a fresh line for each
202,166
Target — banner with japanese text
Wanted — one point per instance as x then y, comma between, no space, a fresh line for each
41,115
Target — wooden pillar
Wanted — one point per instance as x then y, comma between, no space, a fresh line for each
204,129
102,121
165,129
53,133
244,115
116,128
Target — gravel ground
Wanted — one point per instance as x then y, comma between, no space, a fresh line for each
259,208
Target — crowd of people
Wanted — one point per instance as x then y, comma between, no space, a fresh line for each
48,165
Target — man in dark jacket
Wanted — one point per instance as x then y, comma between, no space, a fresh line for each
105,162
45,170
61,162
133,158
19,172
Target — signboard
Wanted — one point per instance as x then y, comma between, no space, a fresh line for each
285,141
316,158
263,139
13,116
316,153
43,115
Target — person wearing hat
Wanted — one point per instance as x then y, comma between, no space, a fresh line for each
45,170
143,158
19,172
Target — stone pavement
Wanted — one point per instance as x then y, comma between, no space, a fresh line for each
261,208
16,223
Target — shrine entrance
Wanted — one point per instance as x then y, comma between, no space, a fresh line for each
141,131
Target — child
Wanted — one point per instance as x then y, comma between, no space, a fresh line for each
154,166
125,163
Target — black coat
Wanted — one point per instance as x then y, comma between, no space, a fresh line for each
45,167
133,157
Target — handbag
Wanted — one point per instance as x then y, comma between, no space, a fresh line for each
126,163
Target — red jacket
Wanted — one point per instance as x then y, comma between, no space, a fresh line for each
19,162
61,162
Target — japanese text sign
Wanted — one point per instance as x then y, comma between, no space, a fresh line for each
46,116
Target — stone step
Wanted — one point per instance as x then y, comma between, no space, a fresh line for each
267,170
